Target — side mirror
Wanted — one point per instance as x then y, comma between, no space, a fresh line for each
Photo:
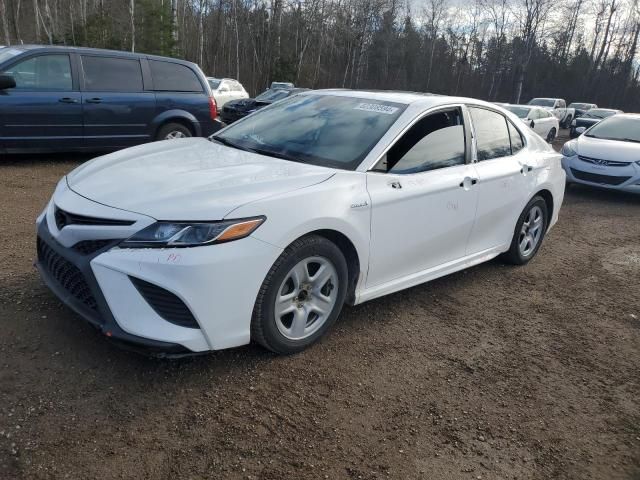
7,81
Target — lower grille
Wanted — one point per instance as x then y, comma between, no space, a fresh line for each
596,178
66,274
165,304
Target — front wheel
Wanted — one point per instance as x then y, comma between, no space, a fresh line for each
529,232
301,296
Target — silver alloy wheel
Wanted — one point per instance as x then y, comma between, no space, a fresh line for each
175,134
531,231
306,298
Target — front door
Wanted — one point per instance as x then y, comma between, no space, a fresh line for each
43,111
423,199
117,109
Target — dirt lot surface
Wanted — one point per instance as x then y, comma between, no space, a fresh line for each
493,373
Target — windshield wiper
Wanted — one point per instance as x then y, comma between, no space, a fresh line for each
271,153
228,143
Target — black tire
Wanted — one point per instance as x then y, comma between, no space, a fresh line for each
515,255
551,135
263,322
165,132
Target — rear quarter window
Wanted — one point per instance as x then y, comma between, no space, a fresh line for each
174,77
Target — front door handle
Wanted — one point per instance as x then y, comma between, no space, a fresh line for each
526,168
93,100
468,182
67,100
395,184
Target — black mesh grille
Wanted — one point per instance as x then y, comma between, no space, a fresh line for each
65,218
165,304
87,247
66,274
601,179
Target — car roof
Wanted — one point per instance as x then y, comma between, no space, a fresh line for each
115,53
426,100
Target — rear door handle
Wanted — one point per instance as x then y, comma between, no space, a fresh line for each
471,182
93,100
526,168
67,100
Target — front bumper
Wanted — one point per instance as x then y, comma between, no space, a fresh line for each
620,178
218,284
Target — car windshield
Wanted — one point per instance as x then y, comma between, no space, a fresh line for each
326,130
214,83
625,129
521,112
7,53
271,96
599,113
542,102
580,106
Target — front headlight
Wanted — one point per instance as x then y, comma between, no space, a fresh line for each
568,149
192,234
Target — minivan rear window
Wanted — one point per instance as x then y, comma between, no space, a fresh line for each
110,74
173,77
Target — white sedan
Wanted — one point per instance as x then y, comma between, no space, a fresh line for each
264,231
607,155
539,119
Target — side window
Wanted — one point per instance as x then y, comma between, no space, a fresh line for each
492,135
173,77
110,74
45,72
562,104
534,114
517,143
436,141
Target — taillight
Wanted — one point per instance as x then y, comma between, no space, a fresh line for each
213,108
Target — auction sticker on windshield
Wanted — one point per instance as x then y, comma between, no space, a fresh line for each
376,107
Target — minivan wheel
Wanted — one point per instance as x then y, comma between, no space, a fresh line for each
171,131
529,232
301,296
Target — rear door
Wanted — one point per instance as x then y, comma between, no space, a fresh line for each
43,111
117,110
503,186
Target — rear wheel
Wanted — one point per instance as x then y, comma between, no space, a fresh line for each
551,135
301,296
172,130
529,232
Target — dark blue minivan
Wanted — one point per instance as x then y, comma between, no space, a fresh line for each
67,98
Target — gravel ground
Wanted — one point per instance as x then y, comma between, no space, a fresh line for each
494,373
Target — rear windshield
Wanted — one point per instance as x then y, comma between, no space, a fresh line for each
599,113
580,106
542,102
621,128
521,112
214,83
315,129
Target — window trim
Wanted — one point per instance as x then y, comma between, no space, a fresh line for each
23,58
422,115
116,57
507,119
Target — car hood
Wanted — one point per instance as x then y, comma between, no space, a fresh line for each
188,179
608,149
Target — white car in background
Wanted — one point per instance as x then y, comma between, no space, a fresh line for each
264,231
226,89
607,155
538,119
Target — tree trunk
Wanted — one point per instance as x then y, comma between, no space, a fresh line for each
132,13
5,22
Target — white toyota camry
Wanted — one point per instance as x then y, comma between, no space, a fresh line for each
264,231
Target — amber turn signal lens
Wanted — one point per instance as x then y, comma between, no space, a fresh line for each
239,230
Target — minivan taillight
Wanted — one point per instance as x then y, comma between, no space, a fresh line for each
213,108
